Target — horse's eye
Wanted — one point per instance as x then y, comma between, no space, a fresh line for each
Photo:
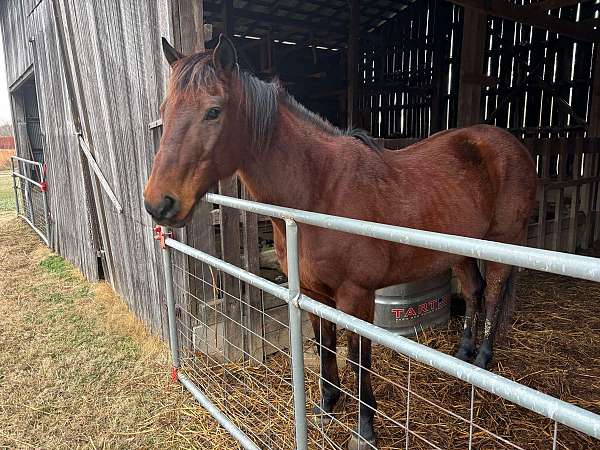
212,113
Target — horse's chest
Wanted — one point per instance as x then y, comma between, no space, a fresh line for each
316,264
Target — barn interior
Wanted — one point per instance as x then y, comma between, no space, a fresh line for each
404,70
394,67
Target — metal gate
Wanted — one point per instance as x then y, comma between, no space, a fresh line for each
266,402
31,196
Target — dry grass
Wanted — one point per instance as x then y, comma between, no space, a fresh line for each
5,154
76,369
7,196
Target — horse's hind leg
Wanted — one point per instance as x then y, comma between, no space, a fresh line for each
325,337
496,299
471,286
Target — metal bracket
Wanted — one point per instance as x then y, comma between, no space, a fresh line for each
161,236
295,300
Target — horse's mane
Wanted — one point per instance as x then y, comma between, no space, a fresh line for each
261,100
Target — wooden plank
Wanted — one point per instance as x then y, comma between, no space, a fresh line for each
191,25
543,207
252,296
593,162
230,252
471,67
352,68
559,199
575,198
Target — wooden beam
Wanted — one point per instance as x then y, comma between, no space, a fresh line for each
545,5
505,10
353,49
299,25
471,67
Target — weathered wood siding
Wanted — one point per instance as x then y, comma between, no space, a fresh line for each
116,47
16,48
23,21
70,209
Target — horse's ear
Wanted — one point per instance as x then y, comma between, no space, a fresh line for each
225,56
171,54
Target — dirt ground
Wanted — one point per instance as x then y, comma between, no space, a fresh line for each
77,370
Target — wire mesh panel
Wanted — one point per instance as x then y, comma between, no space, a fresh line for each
255,392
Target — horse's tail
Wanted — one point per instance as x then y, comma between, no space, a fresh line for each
506,305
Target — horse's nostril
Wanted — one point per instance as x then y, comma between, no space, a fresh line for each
166,209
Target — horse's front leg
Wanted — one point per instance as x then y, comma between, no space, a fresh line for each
325,337
360,303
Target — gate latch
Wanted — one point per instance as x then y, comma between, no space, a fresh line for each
160,236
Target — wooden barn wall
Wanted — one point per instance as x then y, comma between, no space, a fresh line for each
70,234
538,83
408,73
16,46
116,47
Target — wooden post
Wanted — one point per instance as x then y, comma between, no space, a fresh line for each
228,19
188,25
440,79
471,67
594,131
353,53
188,29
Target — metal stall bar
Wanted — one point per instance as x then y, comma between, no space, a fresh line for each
243,439
296,343
538,402
577,266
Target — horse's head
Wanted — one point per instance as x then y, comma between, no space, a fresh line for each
195,150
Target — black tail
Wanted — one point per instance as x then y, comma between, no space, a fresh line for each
506,305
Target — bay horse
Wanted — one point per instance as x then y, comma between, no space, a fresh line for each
478,182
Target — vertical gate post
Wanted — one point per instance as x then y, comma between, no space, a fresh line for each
296,343
166,255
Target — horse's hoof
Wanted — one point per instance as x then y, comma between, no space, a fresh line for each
321,417
482,360
357,443
464,354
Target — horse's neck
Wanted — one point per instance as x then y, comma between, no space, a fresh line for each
289,172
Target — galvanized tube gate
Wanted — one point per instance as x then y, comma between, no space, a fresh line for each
31,196
234,391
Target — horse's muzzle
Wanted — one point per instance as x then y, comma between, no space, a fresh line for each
165,210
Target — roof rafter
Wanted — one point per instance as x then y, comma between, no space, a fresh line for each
505,10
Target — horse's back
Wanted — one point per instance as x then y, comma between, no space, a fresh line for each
477,181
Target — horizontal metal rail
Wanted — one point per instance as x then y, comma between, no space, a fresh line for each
28,161
577,266
29,180
543,404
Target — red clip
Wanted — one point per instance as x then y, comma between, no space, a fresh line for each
160,235
43,186
174,374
